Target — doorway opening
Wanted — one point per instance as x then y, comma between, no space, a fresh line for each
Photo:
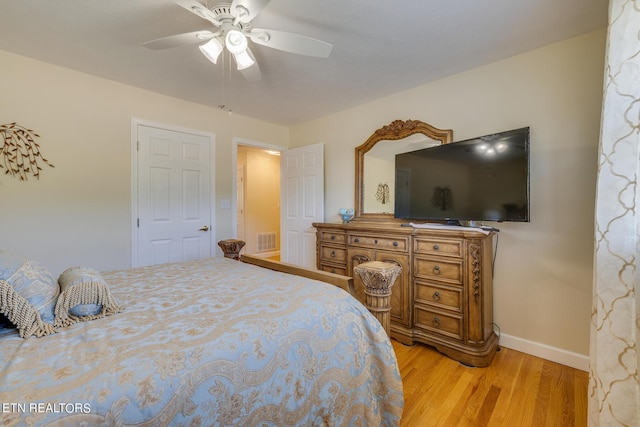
257,199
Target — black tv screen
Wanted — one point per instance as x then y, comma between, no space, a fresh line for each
479,179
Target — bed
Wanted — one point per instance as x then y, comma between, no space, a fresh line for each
210,342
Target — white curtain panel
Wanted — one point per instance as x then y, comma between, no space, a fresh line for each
614,388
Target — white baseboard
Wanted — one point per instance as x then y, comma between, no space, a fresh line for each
554,354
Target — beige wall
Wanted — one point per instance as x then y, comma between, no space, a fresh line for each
543,269
79,212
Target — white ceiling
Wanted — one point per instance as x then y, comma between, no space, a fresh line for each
380,46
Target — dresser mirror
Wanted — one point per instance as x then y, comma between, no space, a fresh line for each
375,164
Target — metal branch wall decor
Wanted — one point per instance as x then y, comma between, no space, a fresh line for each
382,194
19,152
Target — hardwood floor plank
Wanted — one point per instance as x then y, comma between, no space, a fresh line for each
431,393
488,406
470,403
510,368
581,390
517,389
562,398
462,392
543,397
525,384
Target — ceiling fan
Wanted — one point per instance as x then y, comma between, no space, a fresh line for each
233,30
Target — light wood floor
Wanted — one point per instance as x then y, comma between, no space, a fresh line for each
516,390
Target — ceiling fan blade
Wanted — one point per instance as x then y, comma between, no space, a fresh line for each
252,73
179,40
199,9
248,9
290,42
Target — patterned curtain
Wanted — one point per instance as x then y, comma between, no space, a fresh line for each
614,388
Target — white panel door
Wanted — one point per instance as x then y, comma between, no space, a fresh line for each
302,193
174,196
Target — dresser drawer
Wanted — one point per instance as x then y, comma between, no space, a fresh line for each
393,243
333,236
333,269
438,247
441,296
438,322
444,270
333,254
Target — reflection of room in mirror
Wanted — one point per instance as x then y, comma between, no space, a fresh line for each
382,194
379,171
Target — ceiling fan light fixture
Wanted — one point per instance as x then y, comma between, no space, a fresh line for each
243,60
212,49
236,42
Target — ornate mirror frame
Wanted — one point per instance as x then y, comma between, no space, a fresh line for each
396,130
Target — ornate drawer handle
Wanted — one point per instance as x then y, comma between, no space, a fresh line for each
375,241
333,254
436,322
333,237
436,269
436,247
395,244
356,240
436,296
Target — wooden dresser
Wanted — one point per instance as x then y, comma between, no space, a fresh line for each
444,294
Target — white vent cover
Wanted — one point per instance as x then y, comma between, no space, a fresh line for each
267,241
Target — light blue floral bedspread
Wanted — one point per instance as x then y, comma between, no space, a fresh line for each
213,342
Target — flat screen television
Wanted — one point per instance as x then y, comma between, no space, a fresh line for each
479,179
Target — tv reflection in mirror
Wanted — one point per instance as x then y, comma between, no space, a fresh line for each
479,179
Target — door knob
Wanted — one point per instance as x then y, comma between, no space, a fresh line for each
205,228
